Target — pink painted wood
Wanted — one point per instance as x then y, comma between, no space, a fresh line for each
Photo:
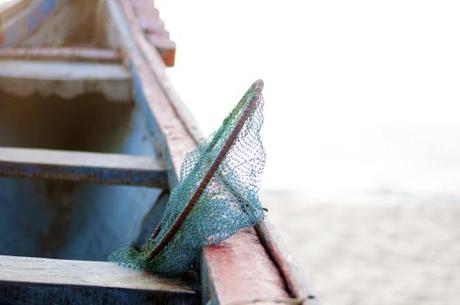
240,271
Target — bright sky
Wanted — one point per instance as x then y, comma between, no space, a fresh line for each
361,96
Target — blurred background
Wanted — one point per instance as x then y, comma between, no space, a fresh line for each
361,132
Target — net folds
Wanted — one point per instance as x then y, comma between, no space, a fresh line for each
228,202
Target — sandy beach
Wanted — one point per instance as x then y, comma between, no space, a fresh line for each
373,253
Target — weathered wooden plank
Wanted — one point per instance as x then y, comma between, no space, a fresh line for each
62,54
27,280
83,166
65,79
295,280
241,264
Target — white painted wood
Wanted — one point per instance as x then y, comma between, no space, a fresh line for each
66,79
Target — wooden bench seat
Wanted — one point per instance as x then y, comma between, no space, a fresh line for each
65,79
31,280
83,166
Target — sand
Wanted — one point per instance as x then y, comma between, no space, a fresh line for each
391,253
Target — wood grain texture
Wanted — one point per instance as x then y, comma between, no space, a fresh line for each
65,79
83,166
62,54
26,280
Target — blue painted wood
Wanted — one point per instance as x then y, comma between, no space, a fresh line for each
27,21
76,220
83,166
152,125
39,13
12,33
29,294
33,21
151,220
72,220
46,8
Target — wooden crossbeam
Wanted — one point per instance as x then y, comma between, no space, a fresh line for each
83,166
62,54
65,79
29,280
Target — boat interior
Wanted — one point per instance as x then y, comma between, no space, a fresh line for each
92,136
65,87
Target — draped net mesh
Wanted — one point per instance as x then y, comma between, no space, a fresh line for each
229,202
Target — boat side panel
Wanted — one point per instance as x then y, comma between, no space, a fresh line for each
55,23
13,32
71,24
39,14
72,220
23,23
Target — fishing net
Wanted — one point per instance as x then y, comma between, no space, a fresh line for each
217,193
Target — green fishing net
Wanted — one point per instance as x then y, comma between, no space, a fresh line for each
228,202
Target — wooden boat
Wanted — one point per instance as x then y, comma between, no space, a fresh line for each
92,135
